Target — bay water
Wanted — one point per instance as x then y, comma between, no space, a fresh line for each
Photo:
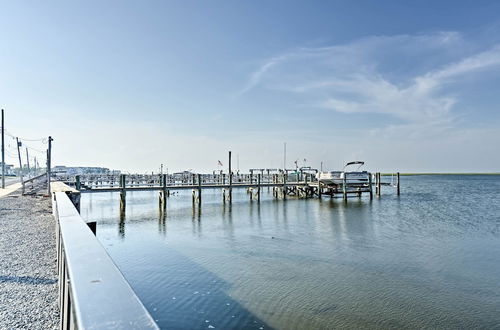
429,258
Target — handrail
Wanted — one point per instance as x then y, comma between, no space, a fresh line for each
93,293
35,177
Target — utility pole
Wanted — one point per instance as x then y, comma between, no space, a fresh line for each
28,161
20,164
3,153
49,163
35,166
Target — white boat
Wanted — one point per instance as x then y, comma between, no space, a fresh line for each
330,177
355,177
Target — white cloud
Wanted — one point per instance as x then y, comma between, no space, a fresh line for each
401,76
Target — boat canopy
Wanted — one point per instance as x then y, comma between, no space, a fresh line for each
360,163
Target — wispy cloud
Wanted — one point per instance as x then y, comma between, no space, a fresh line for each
256,76
406,77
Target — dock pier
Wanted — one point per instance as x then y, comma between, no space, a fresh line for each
284,185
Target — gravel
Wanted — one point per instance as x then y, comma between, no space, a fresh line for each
28,269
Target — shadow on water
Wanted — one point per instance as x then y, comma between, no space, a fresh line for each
178,292
27,280
181,294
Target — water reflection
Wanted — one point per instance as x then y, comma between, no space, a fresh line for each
162,223
121,223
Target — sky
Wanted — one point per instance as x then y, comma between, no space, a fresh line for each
409,86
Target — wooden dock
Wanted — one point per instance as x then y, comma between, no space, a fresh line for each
296,184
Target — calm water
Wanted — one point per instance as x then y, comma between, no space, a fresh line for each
428,259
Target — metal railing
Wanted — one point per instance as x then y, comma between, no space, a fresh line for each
93,294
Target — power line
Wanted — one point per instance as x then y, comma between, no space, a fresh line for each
43,140
34,149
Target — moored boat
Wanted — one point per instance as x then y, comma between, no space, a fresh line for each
355,177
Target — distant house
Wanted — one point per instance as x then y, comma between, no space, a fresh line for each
80,170
9,169
184,173
184,176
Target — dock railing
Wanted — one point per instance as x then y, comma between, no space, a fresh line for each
93,294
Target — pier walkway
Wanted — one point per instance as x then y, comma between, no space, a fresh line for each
28,272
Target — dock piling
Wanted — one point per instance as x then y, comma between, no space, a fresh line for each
78,185
344,188
285,174
398,186
163,193
370,185
123,192
230,199
199,190
258,187
379,184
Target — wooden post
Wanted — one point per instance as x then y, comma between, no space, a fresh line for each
274,187
267,180
199,190
258,187
398,186
344,187
319,189
163,193
379,184
78,184
370,185
230,181
285,174
123,192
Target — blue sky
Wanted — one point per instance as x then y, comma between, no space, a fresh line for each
403,85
